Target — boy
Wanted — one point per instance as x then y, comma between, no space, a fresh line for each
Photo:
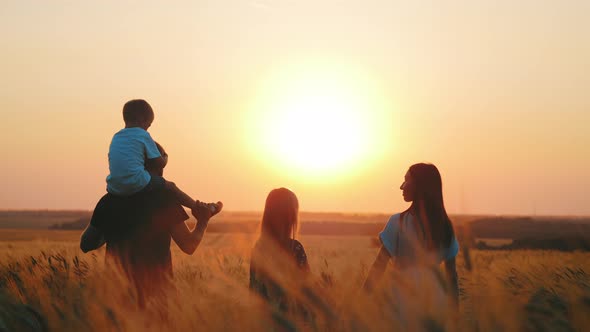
133,151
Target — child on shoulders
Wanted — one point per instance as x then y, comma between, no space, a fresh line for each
133,151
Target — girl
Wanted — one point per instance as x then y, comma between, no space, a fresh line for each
279,265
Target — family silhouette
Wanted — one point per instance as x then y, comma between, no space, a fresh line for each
142,212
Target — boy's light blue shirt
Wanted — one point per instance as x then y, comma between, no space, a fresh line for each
127,153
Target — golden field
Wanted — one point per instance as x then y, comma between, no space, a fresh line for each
503,290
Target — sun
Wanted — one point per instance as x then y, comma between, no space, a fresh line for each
317,130
317,121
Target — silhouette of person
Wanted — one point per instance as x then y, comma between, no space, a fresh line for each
133,152
417,241
279,264
138,230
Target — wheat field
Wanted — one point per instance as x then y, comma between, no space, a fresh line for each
47,282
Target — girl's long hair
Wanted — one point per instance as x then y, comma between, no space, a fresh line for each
280,218
438,228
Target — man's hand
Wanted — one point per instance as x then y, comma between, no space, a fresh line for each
202,213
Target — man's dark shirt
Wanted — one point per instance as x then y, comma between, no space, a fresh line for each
137,232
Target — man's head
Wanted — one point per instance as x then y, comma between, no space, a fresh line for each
138,113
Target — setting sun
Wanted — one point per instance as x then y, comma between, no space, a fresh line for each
318,121
317,130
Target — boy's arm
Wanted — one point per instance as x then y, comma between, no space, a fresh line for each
156,163
161,149
159,162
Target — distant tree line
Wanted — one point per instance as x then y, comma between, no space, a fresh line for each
561,244
526,233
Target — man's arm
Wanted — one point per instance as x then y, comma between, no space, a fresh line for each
187,240
91,239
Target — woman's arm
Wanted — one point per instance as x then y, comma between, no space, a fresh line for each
453,280
377,269
187,240
91,239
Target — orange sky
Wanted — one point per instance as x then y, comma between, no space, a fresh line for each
494,93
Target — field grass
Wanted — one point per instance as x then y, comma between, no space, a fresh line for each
503,290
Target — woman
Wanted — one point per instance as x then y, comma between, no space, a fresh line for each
417,241
279,263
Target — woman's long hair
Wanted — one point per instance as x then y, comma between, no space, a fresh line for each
438,228
280,219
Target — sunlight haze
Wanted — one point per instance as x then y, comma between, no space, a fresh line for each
332,99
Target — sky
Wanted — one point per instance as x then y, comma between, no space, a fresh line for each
332,99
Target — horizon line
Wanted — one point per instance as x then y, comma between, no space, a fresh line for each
328,212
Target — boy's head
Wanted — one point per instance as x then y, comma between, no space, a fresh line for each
138,113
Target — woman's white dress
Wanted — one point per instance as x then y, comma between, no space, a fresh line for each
419,287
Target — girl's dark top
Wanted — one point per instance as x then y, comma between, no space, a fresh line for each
264,284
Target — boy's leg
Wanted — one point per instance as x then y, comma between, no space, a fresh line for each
159,183
183,198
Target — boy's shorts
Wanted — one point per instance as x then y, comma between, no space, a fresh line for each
156,183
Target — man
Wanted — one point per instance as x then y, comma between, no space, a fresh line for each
138,238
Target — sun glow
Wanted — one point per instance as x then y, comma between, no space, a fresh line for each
318,122
316,130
